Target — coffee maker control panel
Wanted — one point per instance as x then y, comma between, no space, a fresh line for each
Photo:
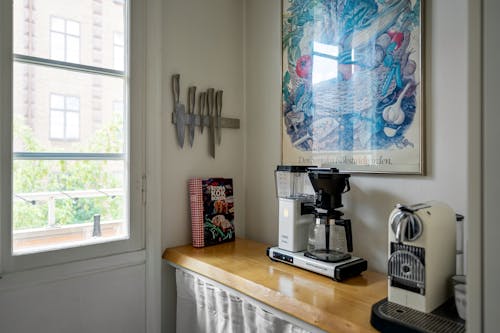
283,257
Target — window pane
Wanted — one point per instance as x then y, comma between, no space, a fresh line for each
55,203
64,114
57,24
118,39
57,102
73,49
72,103
57,124
100,130
118,60
72,125
118,108
118,51
91,22
57,46
73,28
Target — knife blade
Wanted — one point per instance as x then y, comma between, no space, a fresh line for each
218,111
201,109
179,110
211,134
191,124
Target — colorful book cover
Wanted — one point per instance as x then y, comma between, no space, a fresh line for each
212,211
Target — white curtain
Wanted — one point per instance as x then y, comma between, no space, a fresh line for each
204,307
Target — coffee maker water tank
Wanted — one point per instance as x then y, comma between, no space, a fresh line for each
421,255
295,202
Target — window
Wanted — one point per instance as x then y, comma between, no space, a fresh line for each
325,62
72,189
64,40
70,157
118,47
64,117
118,108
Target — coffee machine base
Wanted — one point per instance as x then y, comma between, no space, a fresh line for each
389,317
338,271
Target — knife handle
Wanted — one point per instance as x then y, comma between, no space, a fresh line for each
201,106
218,103
218,114
175,87
211,136
210,100
191,97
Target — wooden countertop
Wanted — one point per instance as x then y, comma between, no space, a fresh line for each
313,298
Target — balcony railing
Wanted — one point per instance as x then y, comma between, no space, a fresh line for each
54,236
51,197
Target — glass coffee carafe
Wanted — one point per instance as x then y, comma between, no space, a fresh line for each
330,239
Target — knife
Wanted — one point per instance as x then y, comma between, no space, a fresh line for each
218,112
201,107
211,134
179,111
191,124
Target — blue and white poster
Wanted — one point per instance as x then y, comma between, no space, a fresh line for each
352,85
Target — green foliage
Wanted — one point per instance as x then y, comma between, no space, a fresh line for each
27,215
31,176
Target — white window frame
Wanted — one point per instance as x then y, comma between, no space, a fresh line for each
136,63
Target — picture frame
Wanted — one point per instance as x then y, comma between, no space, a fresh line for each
352,85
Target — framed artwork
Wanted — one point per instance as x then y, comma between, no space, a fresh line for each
352,85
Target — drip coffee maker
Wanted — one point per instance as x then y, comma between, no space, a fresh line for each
325,247
330,236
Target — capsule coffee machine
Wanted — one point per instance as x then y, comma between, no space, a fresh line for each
421,263
329,238
421,254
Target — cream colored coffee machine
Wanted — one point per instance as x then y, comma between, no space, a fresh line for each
421,255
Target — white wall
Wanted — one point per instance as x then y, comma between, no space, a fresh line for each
203,42
263,104
372,196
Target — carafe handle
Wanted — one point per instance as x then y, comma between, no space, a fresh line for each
348,232
347,186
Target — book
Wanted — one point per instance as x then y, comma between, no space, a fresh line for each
212,211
